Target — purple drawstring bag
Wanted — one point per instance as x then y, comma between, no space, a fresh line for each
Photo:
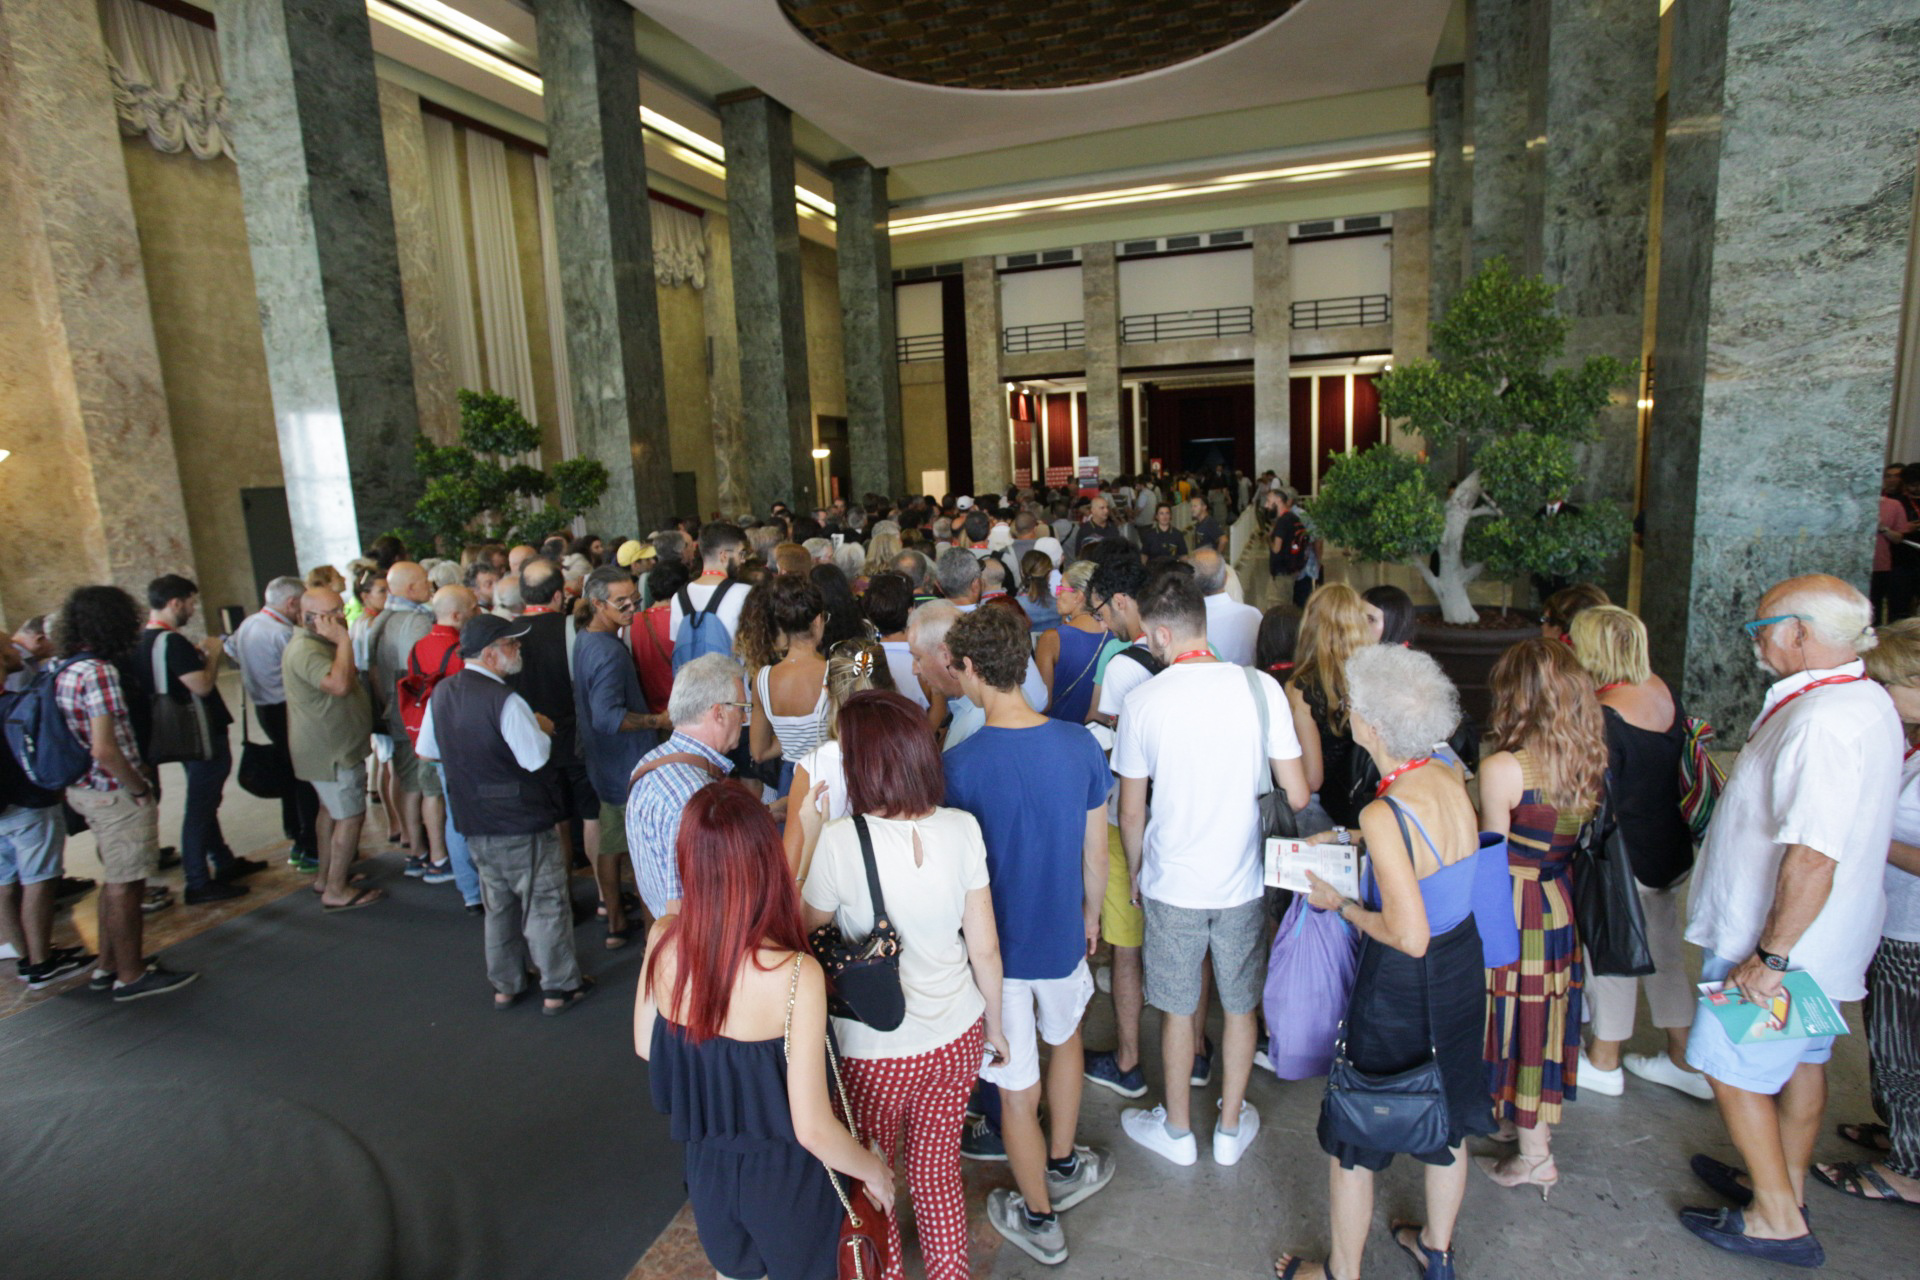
1309,978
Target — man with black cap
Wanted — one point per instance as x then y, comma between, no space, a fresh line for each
498,757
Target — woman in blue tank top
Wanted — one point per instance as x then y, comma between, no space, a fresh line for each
1069,655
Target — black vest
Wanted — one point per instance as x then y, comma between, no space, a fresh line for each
490,793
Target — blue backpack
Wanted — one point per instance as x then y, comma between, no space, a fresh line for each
701,631
49,752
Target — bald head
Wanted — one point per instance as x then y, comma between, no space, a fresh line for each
1209,570
519,556
316,603
540,581
1823,622
408,581
453,605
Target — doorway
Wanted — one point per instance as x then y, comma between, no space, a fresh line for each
269,536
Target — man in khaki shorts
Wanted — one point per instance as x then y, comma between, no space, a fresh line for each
115,795
329,729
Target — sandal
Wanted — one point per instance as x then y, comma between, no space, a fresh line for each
1294,1263
353,882
364,898
1876,1138
1852,1179
619,938
567,999
501,1003
1432,1264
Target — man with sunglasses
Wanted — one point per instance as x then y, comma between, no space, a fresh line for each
614,726
1791,879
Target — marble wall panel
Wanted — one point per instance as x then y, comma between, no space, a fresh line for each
986,395
410,189
1273,341
1411,282
1100,308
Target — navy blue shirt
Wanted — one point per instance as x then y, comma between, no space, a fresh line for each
606,686
1031,791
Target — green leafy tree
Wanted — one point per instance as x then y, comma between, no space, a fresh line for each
472,493
1488,393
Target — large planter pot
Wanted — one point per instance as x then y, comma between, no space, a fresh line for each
1467,652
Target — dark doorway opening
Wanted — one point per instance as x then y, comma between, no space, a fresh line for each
1195,428
269,536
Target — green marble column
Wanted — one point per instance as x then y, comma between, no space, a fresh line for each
875,441
1450,188
604,234
1507,43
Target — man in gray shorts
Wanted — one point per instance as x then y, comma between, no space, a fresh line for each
1202,732
330,727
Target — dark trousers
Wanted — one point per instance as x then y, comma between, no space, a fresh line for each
299,808
200,840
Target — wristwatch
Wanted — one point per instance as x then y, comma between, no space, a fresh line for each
1776,963
1342,836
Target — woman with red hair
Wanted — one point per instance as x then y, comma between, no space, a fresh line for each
729,985
932,867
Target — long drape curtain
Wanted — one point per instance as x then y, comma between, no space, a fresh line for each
166,80
459,324
679,247
496,259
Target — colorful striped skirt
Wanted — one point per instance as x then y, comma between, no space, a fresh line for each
1533,1005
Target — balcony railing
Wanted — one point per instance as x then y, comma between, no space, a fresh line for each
1331,313
1172,326
920,346
1061,335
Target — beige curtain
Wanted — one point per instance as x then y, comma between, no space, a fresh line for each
166,80
679,247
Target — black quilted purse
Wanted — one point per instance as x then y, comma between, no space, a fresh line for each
863,978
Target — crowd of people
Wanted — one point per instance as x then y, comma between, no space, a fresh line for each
904,787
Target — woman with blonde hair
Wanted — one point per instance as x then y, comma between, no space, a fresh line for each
1646,734
853,666
1333,628
883,547
1069,655
1538,788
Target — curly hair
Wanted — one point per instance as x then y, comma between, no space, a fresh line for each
996,642
100,622
1333,628
777,609
1544,702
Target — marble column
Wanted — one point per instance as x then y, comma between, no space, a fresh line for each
1412,282
1100,313
603,231
93,487
1789,187
326,267
1506,172
1272,350
1602,56
730,472
875,440
407,180
986,394
1450,189
769,305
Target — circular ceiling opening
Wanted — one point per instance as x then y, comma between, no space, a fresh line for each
1004,44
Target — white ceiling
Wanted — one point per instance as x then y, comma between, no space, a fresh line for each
1318,49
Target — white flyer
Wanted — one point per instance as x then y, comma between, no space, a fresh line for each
1288,862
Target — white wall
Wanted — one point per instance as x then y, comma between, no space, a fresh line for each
916,309
1344,268
1188,282
1040,297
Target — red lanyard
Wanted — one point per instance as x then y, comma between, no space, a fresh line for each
1617,684
1910,751
1193,653
1805,688
534,610
1394,777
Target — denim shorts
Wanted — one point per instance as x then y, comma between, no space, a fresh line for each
31,841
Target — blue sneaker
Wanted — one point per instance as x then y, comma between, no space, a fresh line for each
438,872
978,1141
1104,1070
417,865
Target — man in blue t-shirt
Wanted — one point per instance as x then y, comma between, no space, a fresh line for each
1039,790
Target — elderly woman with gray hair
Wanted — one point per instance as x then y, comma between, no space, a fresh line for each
1419,995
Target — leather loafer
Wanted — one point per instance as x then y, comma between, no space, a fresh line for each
1727,1229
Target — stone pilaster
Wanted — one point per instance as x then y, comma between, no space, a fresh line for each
769,305
1506,177
411,188
1789,186
1411,282
1450,189
986,395
92,489
730,472
874,435
1100,312
1272,350
603,230
1601,63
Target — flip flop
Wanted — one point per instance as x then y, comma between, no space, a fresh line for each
364,898
567,999
1870,1136
353,882
1853,1179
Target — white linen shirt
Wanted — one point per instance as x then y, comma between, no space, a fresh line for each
1232,628
1823,772
528,742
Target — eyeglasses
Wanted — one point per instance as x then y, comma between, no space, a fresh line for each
744,706
1754,628
625,604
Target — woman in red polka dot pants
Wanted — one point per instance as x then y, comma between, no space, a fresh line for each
927,1097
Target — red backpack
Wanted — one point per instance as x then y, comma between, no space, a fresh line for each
413,690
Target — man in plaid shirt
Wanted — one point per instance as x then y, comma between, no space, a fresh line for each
116,796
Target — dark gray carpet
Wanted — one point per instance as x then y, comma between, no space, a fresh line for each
335,1097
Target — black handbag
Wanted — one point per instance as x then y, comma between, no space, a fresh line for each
180,729
1404,1112
863,978
265,770
1606,898
1277,817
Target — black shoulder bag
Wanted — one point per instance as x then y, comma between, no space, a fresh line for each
863,978
1606,900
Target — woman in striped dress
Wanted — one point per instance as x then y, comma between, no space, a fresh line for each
1539,787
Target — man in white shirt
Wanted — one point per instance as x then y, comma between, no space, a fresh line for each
1232,628
256,647
1791,878
722,546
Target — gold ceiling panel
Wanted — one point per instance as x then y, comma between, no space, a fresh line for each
1024,44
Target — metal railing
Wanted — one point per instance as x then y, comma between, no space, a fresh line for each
1061,335
920,346
1171,326
1331,313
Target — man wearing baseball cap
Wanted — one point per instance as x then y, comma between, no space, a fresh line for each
497,752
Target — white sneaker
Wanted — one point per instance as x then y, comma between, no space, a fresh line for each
1261,1060
1103,979
1229,1147
1149,1129
1659,1068
1609,1083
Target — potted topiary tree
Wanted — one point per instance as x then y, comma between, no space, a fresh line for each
1488,396
472,493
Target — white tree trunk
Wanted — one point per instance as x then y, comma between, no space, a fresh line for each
1450,583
